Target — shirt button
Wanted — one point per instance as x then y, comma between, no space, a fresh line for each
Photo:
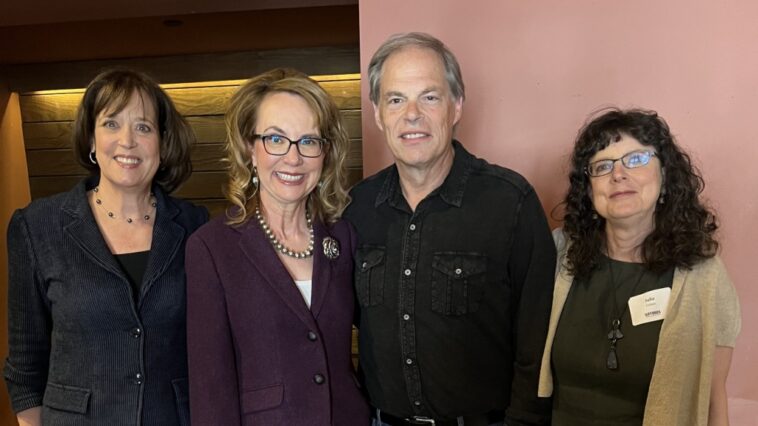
138,379
408,361
319,379
412,227
407,272
417,403
312,336
406,317
364,265
136,332
458,271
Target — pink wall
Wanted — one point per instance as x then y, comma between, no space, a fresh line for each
535,70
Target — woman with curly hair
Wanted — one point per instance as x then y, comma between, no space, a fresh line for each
644,315
270,299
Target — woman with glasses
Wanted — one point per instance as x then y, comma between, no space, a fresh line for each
644,315
270,296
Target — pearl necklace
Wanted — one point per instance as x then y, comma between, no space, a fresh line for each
308,252
112,215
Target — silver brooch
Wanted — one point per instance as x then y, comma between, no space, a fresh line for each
331,248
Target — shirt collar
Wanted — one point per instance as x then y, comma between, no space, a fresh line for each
451,190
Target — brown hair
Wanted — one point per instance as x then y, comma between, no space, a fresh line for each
329,199
112,90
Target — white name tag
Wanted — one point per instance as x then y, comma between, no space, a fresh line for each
650,306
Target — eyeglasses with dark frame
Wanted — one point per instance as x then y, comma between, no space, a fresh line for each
631,160
308,146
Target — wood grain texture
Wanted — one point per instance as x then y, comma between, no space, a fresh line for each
191,101
53,162
46,186
186,68
50,135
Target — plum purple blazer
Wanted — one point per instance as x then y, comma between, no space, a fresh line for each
257,354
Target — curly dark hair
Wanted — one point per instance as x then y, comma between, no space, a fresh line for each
684,226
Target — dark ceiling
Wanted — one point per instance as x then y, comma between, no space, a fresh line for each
48,44
34,12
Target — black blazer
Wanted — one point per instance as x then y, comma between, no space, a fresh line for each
79,344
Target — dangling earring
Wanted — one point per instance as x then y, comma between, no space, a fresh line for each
254,181
594,215
92,158
662,197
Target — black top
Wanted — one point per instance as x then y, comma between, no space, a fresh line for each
454,297
134,265
586,391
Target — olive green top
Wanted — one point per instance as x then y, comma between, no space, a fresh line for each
703,313
586,391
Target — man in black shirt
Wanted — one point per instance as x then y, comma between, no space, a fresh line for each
455,263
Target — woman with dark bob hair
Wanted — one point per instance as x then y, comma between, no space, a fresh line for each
644,315
96,299
270,299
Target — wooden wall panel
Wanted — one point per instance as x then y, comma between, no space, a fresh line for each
226,65
36,108
44,186
193,101
53,162
48,120
47,135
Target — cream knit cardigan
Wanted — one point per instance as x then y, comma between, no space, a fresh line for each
703,313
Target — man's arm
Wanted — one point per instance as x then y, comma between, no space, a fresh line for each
531,269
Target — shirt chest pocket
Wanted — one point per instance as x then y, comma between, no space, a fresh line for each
457,282
369,275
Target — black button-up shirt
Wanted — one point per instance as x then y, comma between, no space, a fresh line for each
455,296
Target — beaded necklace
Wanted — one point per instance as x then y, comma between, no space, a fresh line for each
99,202
308,252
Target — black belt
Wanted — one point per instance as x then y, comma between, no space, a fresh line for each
475,420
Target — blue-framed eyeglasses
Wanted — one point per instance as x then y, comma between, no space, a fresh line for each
630,160
307,146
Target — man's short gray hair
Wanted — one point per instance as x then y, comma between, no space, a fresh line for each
398,42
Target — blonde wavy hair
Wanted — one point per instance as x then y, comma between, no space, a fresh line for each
330,197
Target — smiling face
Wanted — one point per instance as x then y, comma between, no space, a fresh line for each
627,197
127,145
416,110
285,180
